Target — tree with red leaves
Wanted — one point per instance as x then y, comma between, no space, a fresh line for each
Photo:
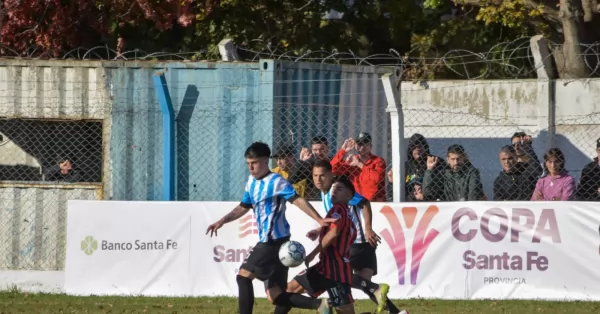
53,27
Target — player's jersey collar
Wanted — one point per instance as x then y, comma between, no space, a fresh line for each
266,175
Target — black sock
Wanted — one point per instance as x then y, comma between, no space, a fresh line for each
245,295
282,309
391,307
363,284
368,287
288,300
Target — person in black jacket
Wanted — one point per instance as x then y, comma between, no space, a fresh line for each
589,184
458,181
517,180
416,164
523,145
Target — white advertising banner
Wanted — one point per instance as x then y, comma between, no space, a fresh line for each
471,250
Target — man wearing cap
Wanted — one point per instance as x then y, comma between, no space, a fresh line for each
460,181
589,184
284,157
367,171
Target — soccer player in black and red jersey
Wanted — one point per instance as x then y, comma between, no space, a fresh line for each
333,272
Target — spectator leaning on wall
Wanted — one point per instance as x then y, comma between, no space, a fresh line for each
62,171
589,184
460,181
416,164
523,145
284,156
302,170
415,188
557,184
367,171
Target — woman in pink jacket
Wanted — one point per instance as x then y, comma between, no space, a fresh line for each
557,184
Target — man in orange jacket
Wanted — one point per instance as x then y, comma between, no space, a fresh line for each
367,171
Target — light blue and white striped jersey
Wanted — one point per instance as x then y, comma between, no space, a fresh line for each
353,209
268,198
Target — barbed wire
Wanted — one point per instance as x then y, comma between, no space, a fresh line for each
509,59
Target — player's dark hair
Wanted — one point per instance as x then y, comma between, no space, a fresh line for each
319,140
346,182
258,150
323,164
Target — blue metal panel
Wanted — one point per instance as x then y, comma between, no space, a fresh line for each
306,103
219,112
136,135
221,108
166,108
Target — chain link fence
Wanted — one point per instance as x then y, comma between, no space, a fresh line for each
96,133
61,136
501,140
308,114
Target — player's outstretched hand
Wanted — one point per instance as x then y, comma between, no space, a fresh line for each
373,238
214,227
325,222
313,234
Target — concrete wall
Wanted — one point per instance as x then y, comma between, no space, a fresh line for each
483,115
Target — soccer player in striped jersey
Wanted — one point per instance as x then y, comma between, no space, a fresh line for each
333,272
266,193
363,257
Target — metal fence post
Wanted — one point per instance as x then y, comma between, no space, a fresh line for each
394,108
166,108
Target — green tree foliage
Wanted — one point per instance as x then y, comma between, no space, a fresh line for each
567,22
427,32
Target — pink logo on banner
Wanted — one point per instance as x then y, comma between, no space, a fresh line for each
396,240
248,226
515,225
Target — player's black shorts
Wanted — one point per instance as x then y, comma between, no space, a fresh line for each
315,284
363,255
263,262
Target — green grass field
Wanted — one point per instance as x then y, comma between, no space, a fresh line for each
18,302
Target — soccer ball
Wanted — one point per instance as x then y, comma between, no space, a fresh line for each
292,254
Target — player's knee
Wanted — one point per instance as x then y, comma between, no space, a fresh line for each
273,295
243,281
293,287
365,273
